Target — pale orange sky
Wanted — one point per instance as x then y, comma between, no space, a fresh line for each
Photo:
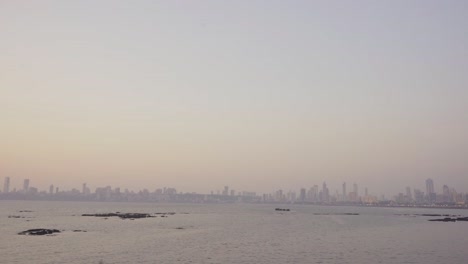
257,95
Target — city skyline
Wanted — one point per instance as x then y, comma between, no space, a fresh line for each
247,93
18,182
314,194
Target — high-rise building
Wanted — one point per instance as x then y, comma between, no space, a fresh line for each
446,194
26,185
418,196
366,193
409,196
344,192
316,192
51,189
430,194
302,195
6,185
84,189
325,193
355,190
429,186
226,190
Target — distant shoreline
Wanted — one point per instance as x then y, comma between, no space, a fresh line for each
260,203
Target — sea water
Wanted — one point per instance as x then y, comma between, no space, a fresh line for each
229,233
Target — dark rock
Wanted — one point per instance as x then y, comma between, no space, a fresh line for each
121,215
446,219
77,230
432,215
283,210
169,213
39,232
15,216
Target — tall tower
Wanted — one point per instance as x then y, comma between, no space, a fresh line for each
429,186
344,192
430,190
6,185
26,185
408,194
302,196
325,194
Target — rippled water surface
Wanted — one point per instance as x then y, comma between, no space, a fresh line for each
230,233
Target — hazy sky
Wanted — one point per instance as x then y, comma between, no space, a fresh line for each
257,95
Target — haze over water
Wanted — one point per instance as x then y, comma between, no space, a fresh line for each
257,95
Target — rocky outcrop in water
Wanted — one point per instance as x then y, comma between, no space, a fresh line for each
130,216
39,232
169,213
121,215
15,216
282,209
446,215
450,219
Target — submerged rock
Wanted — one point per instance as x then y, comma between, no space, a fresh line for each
121,215
446,219
39,232
15,216
282,209
169,213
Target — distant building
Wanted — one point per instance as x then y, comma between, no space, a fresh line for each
26,185
325,197
418,196
344,192
446,194
431,195
409,196
302,195
355,187
6,185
